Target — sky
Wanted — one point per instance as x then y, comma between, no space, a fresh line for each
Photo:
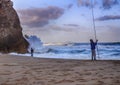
67,21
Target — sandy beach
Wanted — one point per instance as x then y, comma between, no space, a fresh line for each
18,70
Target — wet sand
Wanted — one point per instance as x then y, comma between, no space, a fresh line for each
18,70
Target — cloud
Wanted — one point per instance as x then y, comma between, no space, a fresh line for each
69,6
61,28
86,3
110,17
39,17
107,4
71,25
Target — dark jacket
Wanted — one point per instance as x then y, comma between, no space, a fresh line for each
93,45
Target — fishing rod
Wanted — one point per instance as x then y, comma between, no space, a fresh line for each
94,27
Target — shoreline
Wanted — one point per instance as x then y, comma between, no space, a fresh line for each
16,70
60,58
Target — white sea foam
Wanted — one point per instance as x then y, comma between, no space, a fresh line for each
77,52
71,51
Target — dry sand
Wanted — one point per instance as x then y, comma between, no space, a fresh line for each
16,70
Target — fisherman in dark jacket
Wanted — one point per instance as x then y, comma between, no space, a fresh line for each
32,51
93,47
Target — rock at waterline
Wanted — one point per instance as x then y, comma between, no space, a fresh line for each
11,37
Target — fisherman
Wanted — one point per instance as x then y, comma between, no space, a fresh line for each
32,51
93,47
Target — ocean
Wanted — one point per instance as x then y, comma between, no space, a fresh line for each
106,51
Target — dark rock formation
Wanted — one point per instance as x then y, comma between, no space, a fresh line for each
11,38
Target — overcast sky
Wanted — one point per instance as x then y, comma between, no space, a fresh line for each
57,21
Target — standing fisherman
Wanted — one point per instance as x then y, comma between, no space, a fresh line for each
32,51
93,47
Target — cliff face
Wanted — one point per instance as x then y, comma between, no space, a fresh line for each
11,38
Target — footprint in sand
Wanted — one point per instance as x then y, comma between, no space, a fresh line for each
5,73
100,82
64,81
9,64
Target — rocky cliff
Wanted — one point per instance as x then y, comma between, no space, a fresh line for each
11,38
